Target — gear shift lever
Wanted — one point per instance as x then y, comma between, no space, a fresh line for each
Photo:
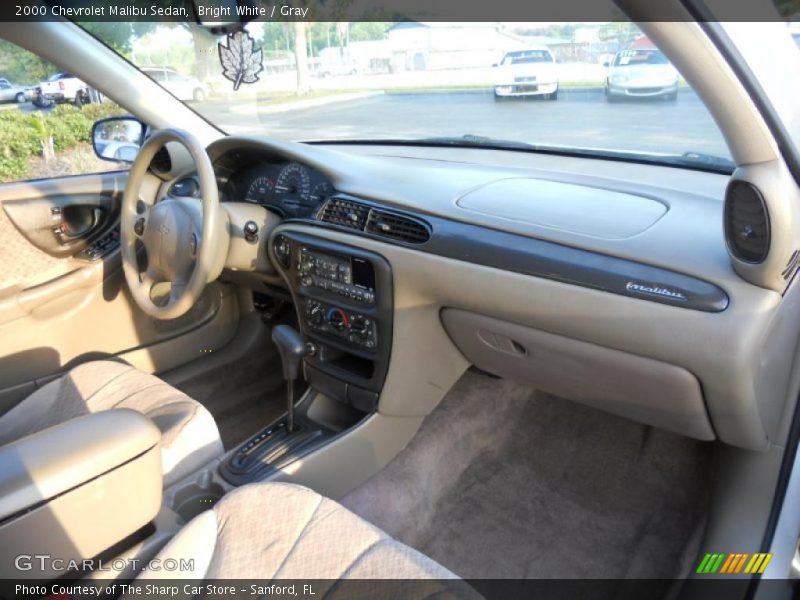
292,349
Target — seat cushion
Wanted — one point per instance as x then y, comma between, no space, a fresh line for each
271,531
189,436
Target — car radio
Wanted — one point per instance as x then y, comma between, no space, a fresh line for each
349,277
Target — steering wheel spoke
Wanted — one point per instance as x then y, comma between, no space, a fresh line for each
178,288
149,278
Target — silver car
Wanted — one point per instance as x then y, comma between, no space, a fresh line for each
181,86
641,73
12,93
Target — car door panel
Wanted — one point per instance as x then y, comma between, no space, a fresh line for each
63,225
57,310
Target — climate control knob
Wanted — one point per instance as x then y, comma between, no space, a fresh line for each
360,326
315,314
337,319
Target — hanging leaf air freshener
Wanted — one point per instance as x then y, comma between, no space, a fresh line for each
241,59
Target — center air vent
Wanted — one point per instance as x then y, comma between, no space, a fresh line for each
354,215
747,228
345,213
397,227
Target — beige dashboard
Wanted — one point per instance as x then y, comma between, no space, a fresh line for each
717,373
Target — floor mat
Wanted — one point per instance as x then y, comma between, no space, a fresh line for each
501,482
243,396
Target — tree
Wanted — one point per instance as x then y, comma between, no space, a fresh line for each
23,67
623,32
301,57
118,36
788,9
366,31
204,43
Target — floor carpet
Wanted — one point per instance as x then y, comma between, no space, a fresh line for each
503,482
243,396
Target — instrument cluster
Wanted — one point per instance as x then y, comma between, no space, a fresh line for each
290,188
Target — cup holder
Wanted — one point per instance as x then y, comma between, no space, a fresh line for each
194,499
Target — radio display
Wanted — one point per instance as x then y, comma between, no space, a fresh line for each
363,274
352,277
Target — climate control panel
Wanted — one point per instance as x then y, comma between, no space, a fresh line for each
348,325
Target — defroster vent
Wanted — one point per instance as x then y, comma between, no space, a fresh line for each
747,228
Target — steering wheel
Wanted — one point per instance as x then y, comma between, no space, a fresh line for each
185,239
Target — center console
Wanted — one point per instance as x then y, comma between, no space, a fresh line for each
344,300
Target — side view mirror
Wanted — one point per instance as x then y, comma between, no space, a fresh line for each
606,64
495,64
118,139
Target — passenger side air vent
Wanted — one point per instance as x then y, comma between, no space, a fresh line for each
397,227
747,229
345,213
161,163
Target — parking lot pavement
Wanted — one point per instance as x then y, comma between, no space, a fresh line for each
579,118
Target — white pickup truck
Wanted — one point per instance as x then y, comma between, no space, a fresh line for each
61,87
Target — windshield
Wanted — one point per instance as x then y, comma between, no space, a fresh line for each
412,81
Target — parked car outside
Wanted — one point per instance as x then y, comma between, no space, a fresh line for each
530,72
181,86
641,73
13,93
59,88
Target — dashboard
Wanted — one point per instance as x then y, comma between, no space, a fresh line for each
287,187
501,258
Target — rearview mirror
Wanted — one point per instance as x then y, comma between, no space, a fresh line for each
118,139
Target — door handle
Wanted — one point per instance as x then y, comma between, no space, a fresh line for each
78,221
62,225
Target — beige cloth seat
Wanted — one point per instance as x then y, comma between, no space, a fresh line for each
267,531
189,435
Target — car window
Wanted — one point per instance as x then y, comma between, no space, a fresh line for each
4,85
41,137
545,85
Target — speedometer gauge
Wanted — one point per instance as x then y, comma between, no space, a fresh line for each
321,191
260,190
294,181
